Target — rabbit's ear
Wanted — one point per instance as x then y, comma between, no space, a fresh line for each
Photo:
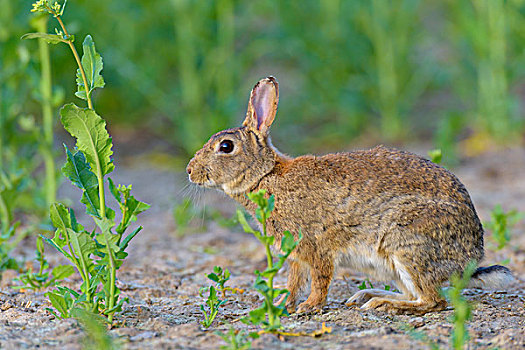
262,106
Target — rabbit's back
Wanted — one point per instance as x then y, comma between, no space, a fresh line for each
384,199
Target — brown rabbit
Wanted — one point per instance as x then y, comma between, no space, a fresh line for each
391,214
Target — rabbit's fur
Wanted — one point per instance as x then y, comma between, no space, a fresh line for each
388,213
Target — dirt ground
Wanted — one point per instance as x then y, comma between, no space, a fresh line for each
164,271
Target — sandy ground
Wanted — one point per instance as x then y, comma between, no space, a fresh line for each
164,271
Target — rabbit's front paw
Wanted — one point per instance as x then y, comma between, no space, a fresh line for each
306,307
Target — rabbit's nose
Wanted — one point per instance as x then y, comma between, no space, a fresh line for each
188,170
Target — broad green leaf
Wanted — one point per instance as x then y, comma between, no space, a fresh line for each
288,242
62,271
213,277
58,301
261,285
111,238
60,216
83,246
49,38
92,137
92,64
78,171
258,315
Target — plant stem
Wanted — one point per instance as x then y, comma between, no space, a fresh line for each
112,277
79,63
271,318
4,215
100,177
47,113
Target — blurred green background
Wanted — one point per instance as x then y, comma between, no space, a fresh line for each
361,71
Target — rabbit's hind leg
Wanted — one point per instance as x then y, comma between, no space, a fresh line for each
422,305
365,295
418,295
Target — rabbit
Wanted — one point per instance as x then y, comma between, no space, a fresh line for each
388,213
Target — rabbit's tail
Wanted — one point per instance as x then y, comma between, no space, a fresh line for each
491,277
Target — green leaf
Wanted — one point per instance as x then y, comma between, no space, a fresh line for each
59,302
60,216
92,64
49,38
62,271
258,316
288,242
125,242
83,246
213,277
92,137
78,171
114,191
129,206
245,226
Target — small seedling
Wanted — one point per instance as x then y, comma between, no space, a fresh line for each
436,156
462,308
220,276
7,242
44,277
363,285
501,223
213,303
237,340
268,315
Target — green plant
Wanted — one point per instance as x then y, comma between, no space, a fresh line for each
363,285
208,67
94,327
462,308
237,340
487,50
46,100
8,240
450,125
220,276
435,155
392,31
21,139
213,303
268,315
501,224
97,254
44,277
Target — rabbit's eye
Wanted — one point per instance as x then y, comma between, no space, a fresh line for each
226,146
